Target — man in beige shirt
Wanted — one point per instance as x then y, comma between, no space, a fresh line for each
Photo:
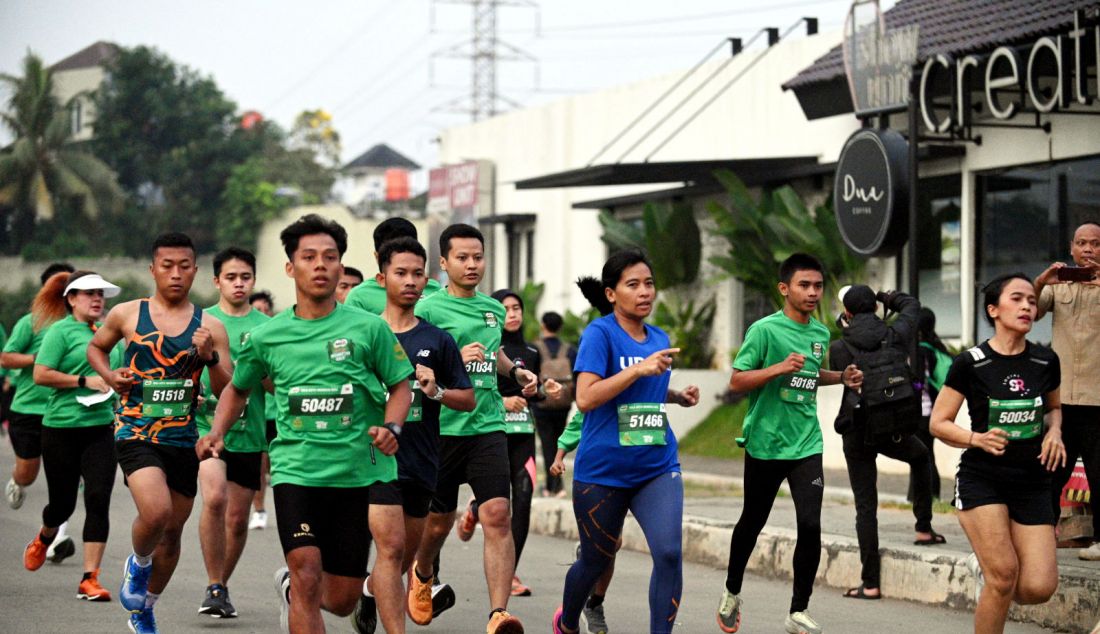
1076,309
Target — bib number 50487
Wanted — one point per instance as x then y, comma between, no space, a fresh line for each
322,405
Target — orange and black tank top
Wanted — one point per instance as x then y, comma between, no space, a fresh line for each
159,406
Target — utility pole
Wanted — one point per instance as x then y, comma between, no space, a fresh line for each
484,50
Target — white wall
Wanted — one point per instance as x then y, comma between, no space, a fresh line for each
69,83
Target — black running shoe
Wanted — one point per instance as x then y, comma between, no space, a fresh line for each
364,619
217,603
443,599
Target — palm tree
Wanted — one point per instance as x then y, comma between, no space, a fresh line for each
43,165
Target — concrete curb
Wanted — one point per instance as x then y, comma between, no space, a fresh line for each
935,577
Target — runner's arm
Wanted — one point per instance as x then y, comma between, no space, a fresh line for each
527,379
231,403
459,400
594,390
16,360
104,340
744,381
397,407
49,377
222,372
1053,453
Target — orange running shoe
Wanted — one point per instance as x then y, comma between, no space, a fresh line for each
465,526
90,590
418,602
35,554
518,589
503,623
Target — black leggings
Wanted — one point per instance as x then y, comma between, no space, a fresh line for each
521,464
68,455
762,480
550,424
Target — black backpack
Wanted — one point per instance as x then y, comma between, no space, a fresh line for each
889,407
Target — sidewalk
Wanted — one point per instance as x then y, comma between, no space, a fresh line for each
926,574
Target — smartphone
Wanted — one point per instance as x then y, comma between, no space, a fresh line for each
1075,274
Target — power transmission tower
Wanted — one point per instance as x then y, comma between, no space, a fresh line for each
484,50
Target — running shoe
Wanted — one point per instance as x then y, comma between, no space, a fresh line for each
258,521
503,623
364,618
801,623
1092,553
418,602
443,598
466,525
135,585
216,603
593,621
555,622
15,494
729,612
61,549
35,554
518,589
143,622
90,590
975,569
282,588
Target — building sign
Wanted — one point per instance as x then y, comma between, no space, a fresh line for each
453,187
871,192
1051,75
878,62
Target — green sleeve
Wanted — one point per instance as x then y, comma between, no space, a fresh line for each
753,351
52,350
21,336
118,356
388,357
571,436
250,369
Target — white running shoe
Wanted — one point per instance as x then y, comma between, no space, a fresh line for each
1092,553
729,612
258,521
801,623
282,587
15,494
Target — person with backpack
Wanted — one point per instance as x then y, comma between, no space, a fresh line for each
880,418
935,360
551,413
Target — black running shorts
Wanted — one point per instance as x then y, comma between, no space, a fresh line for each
334,520
242,467
416,499
26,435
480,460
1027,497
179,464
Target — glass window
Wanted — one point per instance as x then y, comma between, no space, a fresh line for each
939,253
1026,218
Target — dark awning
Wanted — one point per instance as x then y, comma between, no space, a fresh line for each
506,219
692,172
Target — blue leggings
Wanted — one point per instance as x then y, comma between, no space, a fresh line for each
658,505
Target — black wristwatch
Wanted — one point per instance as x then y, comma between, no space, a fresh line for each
213,360
81,381
513,372
394,428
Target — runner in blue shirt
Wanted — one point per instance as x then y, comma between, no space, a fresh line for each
627,458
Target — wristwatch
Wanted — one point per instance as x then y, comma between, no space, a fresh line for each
394,428
438,396
213,360
513,372
81,381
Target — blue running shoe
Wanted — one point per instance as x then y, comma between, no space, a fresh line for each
143,622
135,584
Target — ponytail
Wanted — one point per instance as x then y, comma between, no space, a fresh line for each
592,289
49,304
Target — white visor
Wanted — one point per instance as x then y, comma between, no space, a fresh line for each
842,293
91,283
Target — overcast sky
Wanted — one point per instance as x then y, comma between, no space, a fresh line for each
371,62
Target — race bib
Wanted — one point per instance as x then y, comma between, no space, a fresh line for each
800,387
518,422
416,408
321,408
1022,419
642,424
164,398
483,374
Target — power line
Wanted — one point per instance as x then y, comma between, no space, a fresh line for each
385,119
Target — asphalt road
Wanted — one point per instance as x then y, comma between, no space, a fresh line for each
44,601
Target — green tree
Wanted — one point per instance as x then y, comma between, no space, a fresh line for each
174,139
762,232
313,131
44,169
675,271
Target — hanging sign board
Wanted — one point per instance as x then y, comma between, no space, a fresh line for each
871,192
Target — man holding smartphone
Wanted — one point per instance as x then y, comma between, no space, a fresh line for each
1072,294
